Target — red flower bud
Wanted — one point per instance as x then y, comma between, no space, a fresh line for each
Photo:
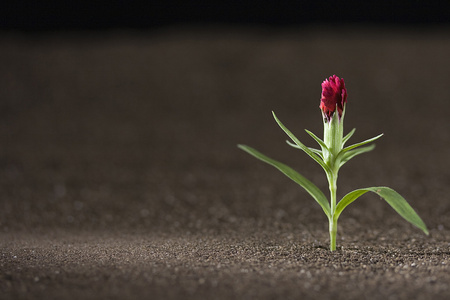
334,95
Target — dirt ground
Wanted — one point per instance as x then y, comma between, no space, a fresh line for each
120,177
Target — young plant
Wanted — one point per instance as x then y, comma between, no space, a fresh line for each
331,156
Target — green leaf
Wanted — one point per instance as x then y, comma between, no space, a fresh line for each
352,153
362,143
348,136
295,145
346,154
316,151
318,140
310,187
394,199
301,146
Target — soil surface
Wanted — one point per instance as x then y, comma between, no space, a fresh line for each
120,177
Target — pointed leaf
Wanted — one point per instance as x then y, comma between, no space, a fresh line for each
348,136
394,199
318,140
310,187
362,143
352,153
316,151
344,152
301,146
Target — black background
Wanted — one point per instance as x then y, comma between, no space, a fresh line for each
60,15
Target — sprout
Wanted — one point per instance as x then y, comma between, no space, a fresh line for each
331,156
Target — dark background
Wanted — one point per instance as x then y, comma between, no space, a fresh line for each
61,15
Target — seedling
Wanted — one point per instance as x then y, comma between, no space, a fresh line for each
331,156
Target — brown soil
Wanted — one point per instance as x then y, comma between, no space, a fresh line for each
120,177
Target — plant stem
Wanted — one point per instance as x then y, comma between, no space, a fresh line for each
333,135
333,220
333,231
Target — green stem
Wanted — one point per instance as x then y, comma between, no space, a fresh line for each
333,219
333,232
333,138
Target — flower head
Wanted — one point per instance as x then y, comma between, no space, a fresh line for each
334,95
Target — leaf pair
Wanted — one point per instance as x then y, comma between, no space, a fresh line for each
395,200
349,152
